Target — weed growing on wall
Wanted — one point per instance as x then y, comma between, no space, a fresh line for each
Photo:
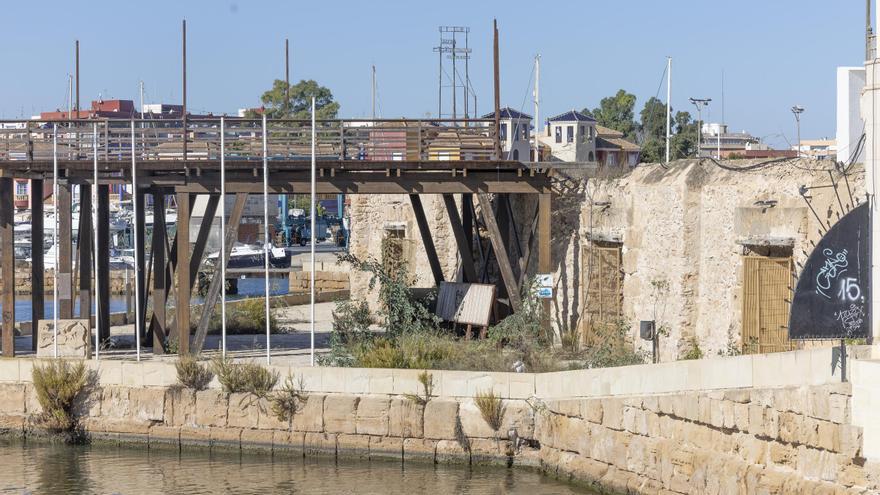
491,408
427,381
289,399
62,389
249,378
191,374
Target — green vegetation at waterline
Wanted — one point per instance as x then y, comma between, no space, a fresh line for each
62,391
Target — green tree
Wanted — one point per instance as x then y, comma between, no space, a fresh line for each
653,120
301,95
683,143
617,112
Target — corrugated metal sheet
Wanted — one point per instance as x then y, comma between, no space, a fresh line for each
466,304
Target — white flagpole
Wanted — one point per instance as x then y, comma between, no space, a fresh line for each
54,241
137,251
266,228
312,241
95,235
222,258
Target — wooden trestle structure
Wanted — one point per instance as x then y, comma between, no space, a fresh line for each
182,158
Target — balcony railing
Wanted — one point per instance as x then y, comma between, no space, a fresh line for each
290,140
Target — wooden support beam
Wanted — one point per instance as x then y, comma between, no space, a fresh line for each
213,295
502,219
38,271
527,251
64,271
545,264
140,288
7,265
103,276
500,250
160,288
467,258
467,219
84,248
202,237
427,240
184,284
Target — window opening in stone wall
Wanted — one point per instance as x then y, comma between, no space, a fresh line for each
393,249
766,296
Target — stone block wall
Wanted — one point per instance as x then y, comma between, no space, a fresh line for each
747,440
324,281
23,281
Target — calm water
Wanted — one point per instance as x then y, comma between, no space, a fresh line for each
37,468
247,287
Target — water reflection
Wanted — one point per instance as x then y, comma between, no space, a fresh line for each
40,468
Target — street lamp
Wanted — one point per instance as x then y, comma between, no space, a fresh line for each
797,110
700,103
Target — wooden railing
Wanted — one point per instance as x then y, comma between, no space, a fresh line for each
163,139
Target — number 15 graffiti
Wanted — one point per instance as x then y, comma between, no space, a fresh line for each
849,289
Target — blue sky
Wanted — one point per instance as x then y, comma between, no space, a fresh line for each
774,54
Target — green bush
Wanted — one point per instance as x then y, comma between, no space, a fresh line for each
693,350
191,374
61,391
244,377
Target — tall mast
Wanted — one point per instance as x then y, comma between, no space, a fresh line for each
668,104
537,106
373,92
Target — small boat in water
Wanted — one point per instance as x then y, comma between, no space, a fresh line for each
251,256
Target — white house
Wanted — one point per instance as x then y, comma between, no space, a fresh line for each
515,133
571,137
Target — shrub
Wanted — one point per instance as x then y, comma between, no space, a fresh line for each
244,377
351,320
61,390
286,401
491,408
380,353
249,316
693,350
191,374
609,345
427,381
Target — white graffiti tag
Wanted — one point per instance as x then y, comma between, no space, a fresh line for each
851,319
835,264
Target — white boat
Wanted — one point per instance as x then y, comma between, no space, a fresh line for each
251,256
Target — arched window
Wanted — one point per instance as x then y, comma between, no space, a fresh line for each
516,154
591,157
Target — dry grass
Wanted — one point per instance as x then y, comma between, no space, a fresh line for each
427,381
191,374
491,408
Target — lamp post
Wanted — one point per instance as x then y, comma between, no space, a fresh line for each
699,103
797,110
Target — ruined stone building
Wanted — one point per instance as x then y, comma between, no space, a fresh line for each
708,250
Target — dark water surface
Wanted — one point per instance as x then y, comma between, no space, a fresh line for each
105,469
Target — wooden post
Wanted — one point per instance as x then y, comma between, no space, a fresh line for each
544,260
467,258
497,81
7,264
140,289
37,267
64,271
500,249
184,285
103,276
213,295
467,219
427,240
159,283
84,246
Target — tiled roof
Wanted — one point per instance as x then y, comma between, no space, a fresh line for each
508,113
607,143
603,131
571,116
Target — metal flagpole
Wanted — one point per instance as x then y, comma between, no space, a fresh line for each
668,103
137,245
312,215
54,241
266,228
94,233
223,236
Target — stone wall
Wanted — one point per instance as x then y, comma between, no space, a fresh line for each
746,440
688,224
23,281
324,281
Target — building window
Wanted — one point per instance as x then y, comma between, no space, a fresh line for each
525,133
394,249
583,134
591,157
603,289
504,132
766,290
21,187
516,154
516,132
569,134
558,134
